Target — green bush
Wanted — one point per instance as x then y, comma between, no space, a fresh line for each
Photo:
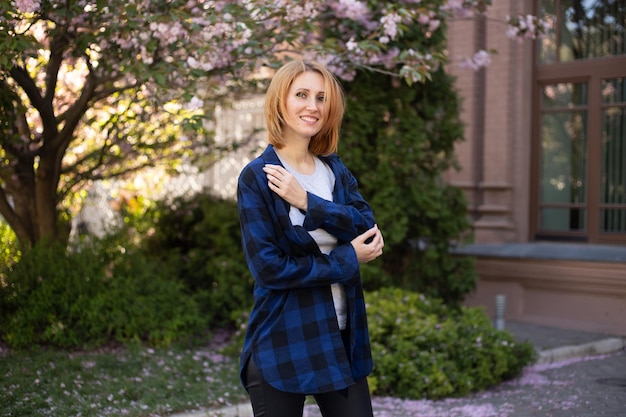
103,293
143,302
200,237
424,349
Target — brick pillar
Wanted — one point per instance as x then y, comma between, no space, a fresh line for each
495,156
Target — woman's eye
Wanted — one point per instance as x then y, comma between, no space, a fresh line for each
320,99
301,94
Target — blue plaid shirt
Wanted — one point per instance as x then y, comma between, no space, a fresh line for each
292,334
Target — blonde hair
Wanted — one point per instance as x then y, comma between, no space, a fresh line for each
326,140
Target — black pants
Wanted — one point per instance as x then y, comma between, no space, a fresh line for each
267,401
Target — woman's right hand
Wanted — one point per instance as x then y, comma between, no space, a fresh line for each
366,252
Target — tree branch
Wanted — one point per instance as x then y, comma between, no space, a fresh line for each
23,79
57,47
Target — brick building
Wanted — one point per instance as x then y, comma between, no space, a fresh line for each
544,162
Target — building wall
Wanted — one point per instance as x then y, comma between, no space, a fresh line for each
564,293
496,171
241,123
496,111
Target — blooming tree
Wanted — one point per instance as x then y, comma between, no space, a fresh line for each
93,89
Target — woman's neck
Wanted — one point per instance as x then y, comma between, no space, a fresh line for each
299,159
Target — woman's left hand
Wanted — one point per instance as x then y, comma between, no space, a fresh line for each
366,252
283,183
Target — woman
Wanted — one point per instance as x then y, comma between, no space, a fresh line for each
305,230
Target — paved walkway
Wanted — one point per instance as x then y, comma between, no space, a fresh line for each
578,374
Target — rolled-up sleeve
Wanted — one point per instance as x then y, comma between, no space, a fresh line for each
345,219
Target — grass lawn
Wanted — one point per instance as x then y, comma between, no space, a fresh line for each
136,381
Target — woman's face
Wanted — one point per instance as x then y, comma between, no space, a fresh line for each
304,108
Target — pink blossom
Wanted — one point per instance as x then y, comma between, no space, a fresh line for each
296,12
512,32
527,27
351,9
423,19
457,8
27,6
433,25
480,59
390,24
351,45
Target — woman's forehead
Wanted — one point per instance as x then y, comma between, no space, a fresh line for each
309,80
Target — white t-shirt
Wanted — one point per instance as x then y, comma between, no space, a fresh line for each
321,183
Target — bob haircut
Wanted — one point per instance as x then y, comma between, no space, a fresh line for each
326,140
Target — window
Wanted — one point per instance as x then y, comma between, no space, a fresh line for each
579,153
583,29
613,156
563,157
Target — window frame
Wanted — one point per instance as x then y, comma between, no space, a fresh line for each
592,72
